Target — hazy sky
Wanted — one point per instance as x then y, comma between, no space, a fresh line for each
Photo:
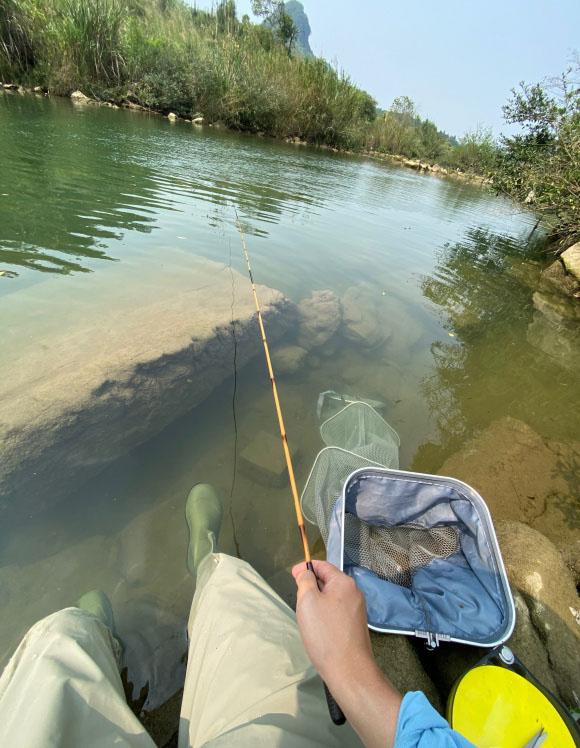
457,59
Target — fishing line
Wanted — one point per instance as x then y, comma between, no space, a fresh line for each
234,397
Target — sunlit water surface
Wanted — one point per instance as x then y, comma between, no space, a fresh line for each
88,191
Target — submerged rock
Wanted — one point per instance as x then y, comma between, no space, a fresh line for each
363,322
319,319
522,477
263,460
557,307
288,359
559,340
79,391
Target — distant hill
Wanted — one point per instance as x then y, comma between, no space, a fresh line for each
295,10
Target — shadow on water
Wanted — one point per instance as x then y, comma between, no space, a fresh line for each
486,368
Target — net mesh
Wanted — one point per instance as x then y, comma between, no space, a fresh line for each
358,437
396,553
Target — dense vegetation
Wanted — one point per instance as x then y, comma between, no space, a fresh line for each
170,56
173,57
541,164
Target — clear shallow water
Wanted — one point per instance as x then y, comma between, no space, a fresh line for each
88,193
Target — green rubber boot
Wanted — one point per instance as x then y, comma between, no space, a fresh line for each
97,603
203,512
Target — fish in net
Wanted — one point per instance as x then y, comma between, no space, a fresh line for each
396,553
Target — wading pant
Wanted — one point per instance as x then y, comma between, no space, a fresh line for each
249,681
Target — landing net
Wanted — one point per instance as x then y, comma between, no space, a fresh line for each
356,437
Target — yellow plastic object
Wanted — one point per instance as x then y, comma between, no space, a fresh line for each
494,707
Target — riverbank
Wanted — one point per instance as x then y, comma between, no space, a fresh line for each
199,120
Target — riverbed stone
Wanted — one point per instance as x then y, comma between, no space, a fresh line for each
263,460
79,97
537,570
78,392
397,657
559,340
319,318
557,307
555,278
522,477
571,260
363,321
288,359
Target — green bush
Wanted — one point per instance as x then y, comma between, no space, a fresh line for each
541,164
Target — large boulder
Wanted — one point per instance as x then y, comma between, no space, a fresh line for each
558,339
571,260
288,359
319,318
521,477
79,391
398,659
537,570
364,322
79,97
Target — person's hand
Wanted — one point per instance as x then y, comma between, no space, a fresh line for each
332,619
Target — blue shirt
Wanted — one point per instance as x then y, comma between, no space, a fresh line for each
420,726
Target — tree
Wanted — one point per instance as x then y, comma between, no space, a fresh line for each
541,164
275,16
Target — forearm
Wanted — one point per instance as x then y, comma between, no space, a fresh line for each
369,701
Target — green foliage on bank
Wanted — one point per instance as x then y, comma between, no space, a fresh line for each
173,57
541,164
170,56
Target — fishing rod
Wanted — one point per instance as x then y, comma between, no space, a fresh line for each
336,713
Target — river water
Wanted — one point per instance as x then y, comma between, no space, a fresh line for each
88,193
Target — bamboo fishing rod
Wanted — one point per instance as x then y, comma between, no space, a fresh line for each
282,426
336,713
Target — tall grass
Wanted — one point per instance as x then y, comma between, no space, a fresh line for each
89,37
170,56
16,38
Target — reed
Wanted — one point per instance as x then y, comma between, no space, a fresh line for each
170,56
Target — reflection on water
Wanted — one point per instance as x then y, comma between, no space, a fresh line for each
487,367
443,270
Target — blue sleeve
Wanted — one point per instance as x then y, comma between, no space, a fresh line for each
420,726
